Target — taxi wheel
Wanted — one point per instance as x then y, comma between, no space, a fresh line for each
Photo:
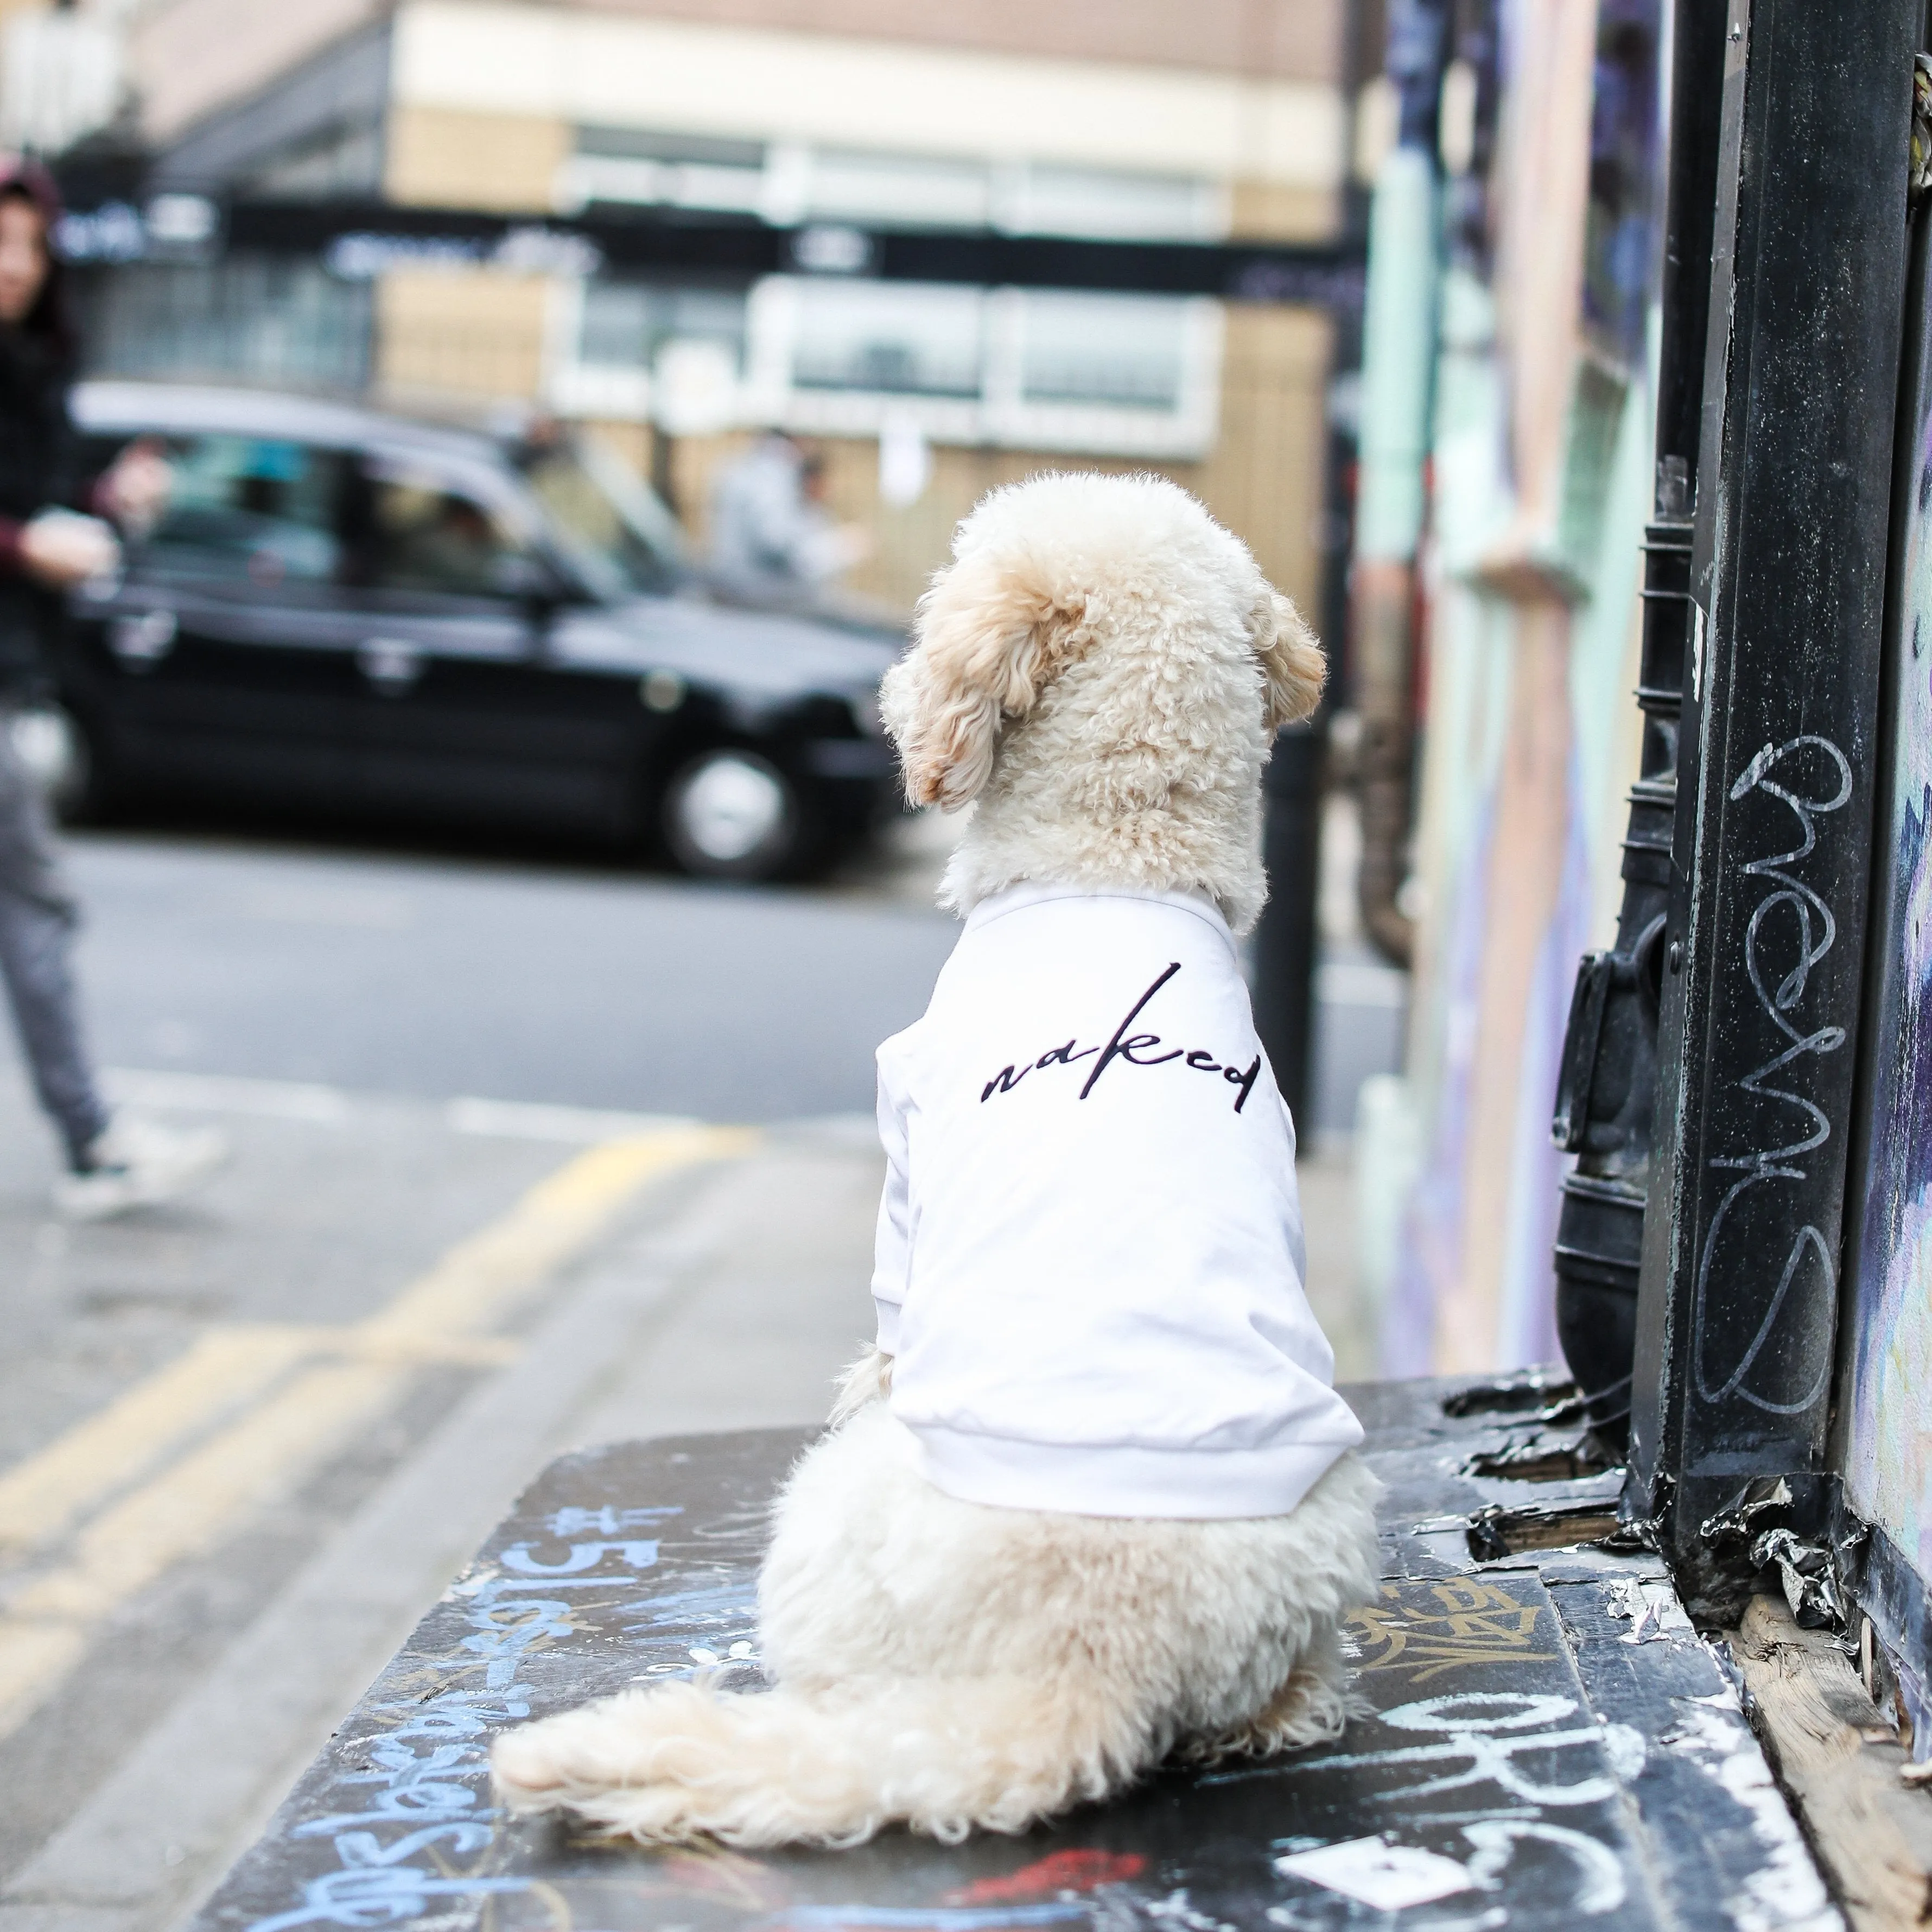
729,814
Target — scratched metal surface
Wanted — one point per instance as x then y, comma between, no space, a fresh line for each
1518,1753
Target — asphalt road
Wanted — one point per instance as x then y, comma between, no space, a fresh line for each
569,983
595,987
526,1154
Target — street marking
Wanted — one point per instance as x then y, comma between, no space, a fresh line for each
257,1459
228,1093
35,1660
288,1429
184,1513
41,1496
227,1367
482,1279
332,1106
537,1120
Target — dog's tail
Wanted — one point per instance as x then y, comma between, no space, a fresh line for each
681,1761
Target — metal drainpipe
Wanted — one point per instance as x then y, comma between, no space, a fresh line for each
1398,370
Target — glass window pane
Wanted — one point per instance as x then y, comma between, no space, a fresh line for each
427,537
250,508
1125,352
1089,201
637,165
273,320
899,188
626,323
715,315
890,338
596,512
619,319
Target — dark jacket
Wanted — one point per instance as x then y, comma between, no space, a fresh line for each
37,471
38,451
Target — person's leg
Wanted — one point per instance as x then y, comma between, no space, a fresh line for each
34,948
113,1164
37,917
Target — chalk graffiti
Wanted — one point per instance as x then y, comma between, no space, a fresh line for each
725,1614
1491,1744
1476,1622
582,1556
564,1524
1817,933
1486,1735
1077,1869
428,1770
1600,1887
434,1789
374,1888
1389,1878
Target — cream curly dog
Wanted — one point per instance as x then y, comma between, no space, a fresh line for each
1092,1501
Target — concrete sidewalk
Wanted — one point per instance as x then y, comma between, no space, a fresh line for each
727,1292
244,1439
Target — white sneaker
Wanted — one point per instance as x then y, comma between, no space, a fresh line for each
136,1163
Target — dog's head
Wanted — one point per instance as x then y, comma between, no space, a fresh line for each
1123,585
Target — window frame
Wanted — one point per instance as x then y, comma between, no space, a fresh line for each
767,395
1002,415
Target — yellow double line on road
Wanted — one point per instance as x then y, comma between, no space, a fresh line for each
288,1399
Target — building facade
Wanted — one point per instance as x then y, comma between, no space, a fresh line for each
1072,119
1507,480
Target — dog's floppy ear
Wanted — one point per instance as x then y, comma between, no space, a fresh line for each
991,636
1292,660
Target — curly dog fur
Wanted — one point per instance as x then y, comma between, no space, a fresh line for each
1099,673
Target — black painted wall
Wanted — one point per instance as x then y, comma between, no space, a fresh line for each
1761,994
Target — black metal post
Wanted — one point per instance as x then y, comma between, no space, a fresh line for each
1284,941
1287,940
1607,1089
1765,939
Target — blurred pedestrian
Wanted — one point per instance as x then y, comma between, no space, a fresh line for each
48,544
772,534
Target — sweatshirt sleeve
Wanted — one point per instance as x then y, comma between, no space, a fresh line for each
892,1253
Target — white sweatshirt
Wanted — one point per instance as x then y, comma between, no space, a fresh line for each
1089,1251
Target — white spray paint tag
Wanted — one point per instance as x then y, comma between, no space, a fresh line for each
1385,1877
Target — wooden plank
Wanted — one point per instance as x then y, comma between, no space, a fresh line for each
1841,1762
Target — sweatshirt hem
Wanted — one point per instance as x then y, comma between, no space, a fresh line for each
1123,1479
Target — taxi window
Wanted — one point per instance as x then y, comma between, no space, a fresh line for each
251,509
431,536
